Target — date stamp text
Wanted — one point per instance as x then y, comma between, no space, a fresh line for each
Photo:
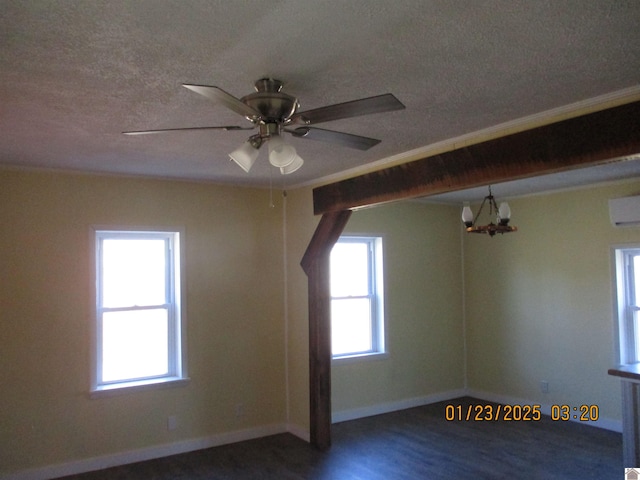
519,413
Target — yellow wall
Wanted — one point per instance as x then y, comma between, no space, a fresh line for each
536,304
423,295
423,303
539,301
300,225
234,277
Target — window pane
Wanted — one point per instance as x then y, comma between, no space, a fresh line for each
351,326
636,326
636,279
135,344
349,269
134,272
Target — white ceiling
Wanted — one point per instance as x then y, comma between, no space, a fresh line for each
75,74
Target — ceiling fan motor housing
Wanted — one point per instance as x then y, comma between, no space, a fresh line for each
270,102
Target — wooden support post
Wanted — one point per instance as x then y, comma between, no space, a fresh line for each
316,265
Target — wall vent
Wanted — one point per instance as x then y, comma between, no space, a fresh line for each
625,211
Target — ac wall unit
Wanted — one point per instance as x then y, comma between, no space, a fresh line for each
625,211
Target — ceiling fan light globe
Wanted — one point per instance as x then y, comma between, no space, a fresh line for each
293,166
281,154
245,156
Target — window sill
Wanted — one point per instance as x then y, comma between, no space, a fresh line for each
138,386
364,357
629,372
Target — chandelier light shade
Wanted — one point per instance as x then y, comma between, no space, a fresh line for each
245,155
502,216
467,215
504,212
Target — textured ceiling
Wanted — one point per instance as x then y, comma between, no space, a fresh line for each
74,74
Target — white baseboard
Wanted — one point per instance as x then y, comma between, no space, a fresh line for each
149,453
352,414
606,423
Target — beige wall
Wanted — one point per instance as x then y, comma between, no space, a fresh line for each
537,306
539,302
300,225
234,276
423,295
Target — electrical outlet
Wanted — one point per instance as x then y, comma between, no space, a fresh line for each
544,386
172,422
240,410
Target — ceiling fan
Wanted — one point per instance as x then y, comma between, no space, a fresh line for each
274,112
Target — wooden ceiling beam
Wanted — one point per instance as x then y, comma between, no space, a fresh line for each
593,139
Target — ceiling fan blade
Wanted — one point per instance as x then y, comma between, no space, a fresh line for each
220,96
340,138
164,130
354,108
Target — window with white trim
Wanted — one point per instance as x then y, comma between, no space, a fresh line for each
627,262
139,323
357,323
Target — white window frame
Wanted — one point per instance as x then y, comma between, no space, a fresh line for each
626,305
177,351
376,296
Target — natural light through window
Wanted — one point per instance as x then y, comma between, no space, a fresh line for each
627,260
356,297
138,318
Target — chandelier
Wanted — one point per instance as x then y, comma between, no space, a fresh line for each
502,215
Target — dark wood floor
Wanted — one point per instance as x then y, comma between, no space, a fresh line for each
417,443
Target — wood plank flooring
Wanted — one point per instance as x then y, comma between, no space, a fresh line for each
417,443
